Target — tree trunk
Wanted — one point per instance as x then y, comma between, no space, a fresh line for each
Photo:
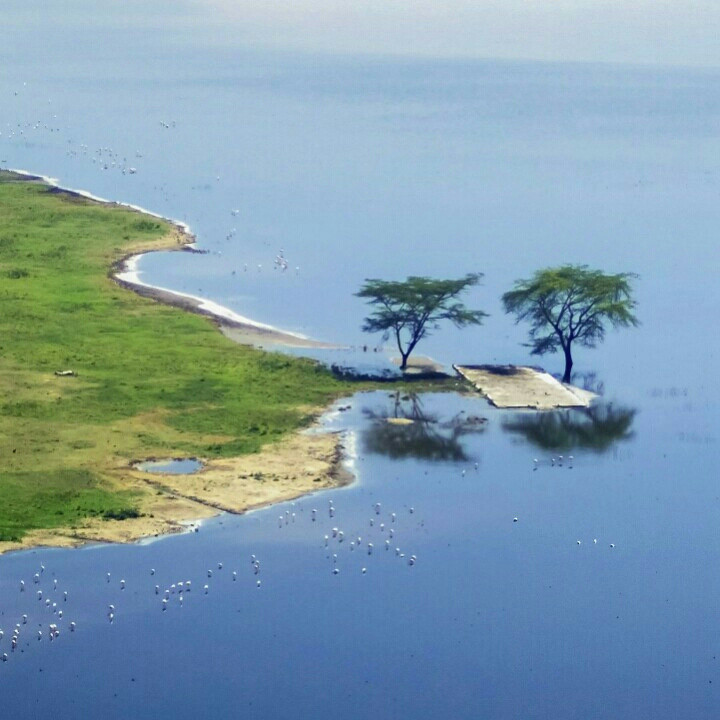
568,365
403,365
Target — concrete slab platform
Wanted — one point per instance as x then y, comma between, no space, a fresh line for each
515,386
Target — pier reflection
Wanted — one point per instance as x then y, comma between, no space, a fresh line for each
407,430
595,428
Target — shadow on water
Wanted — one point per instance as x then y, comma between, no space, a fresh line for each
407,430
595,428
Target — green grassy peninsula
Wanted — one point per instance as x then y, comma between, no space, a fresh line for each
149,379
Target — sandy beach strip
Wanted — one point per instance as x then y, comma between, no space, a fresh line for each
305,462
125,272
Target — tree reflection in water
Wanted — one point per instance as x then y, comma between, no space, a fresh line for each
595,428
407,430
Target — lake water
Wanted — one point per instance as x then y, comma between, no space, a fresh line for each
378,167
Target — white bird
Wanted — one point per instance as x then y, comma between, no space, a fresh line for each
219,566
209,573
157,589
152,571
313,513
412,510
370,548
234,576
515,519
108,577
39,594
65,596
206,588
122,584
336,571
258,583
612,545
579,542
22,586
72,627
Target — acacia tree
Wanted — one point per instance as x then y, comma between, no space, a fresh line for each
412,308
571,304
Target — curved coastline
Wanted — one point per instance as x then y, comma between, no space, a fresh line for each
126,273
300,464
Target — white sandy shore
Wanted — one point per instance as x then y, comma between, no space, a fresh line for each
235,326
131,275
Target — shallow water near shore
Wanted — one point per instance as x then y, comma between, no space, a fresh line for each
496,618
378,167
172,466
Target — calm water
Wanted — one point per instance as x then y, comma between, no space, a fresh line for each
179,466
362,168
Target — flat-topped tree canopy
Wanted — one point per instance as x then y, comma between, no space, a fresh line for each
411,308
571,303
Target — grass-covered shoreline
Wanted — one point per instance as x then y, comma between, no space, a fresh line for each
151,380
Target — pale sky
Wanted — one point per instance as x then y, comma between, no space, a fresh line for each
677,32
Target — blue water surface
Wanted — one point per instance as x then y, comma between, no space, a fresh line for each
381,167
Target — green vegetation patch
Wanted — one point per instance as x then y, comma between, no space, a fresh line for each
147,377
